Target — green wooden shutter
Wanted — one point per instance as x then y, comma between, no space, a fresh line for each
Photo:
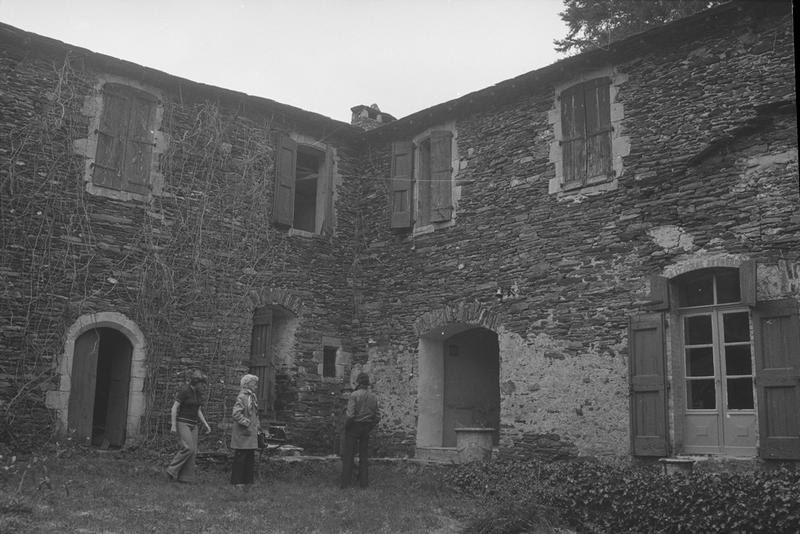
573,142
747,282
441,176
261,363
647,378
401,184
598,127
111,134
82,384
285,165
139,143
658,299
776,335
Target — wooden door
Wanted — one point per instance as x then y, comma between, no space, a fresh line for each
117,409
82,384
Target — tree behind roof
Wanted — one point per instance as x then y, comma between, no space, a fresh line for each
598,23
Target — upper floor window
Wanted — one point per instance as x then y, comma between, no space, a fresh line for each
125,139
422,180
586,132
303,187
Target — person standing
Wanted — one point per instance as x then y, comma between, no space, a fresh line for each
244,434
361,417
186,415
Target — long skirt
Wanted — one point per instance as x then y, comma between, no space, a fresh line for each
242,468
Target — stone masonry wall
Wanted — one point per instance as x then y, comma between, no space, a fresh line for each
712,172
187,268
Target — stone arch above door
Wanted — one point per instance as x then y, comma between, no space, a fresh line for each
58,400
468,313
289,300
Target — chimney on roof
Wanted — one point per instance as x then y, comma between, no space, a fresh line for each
369,117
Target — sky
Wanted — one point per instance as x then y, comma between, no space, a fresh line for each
324,56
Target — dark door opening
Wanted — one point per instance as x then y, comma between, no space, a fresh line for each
98,405
471,383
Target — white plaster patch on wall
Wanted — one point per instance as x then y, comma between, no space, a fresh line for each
394,380
670,237
757,164
779,281
544,389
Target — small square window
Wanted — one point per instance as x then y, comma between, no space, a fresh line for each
329,362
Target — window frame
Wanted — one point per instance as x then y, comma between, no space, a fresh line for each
616,145
95,105
421,198
289,147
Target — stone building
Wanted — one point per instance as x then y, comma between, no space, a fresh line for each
598,257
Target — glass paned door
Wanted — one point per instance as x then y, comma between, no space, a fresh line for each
718,371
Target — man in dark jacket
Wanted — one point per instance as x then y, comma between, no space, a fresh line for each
362,416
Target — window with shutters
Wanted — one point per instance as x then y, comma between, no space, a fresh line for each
423,190
304,179
586,132
735,368
588,148
124,141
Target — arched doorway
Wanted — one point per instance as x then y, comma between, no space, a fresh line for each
459,384
101,374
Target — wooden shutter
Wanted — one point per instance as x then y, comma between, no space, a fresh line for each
573,142
82,384
124,154
658,299
598,127
111,134
401,184
776,335
285,166
261,363
441,176
647,377
326,190
139,143
747,282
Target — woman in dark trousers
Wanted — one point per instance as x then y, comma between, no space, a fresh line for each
186,415
362,416
244,434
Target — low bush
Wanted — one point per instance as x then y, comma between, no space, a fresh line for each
604,497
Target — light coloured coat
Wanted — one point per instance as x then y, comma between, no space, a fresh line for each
244,434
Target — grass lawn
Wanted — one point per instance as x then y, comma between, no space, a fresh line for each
110,492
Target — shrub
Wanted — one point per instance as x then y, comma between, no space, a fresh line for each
595,496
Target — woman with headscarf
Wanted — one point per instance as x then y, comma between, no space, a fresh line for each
185,416
244,434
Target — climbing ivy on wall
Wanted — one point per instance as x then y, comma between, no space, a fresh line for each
180,266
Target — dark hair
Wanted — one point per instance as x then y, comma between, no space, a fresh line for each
198,377
362,379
